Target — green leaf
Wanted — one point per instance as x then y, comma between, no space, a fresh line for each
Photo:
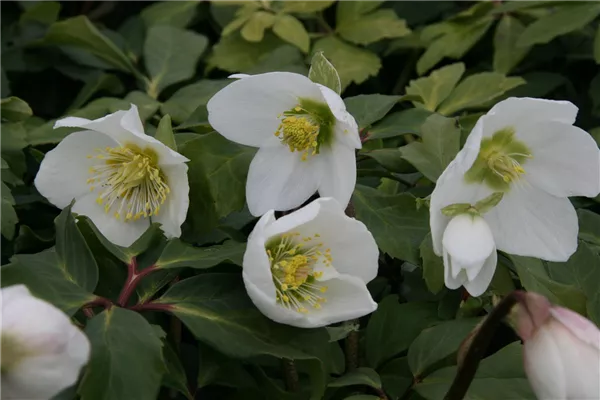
434,88
437,343
179,254
126,360
96,83
164,133
582,271
175,376
44,274
373,27
359,376
399,123
173,13
14,109
597,46
217,173
232,53
284,58
353,10
44,12
292,31
81,33
397,225
564,20
352,63
394,326
499,377
305,6
534,277
323,72
433,266
164,59
74,254
369,108
389,158
441,143
9,217
478,89
589,227
254,29
186,100
396,377
506,52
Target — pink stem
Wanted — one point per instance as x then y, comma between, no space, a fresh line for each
133,278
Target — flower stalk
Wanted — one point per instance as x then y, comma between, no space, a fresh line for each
133,279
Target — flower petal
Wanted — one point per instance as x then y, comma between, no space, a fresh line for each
566,159
531,222
453,277
246,111
478,285
280,180
346,129
543,366
581,327
65,169
117,231
468,239
172,214
339,173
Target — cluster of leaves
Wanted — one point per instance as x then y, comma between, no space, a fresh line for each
189,329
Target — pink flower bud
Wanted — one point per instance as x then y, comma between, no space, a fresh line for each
561,350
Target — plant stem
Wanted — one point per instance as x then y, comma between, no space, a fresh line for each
150,306
351,348
133,278
290,375
323,23
98,302
476,345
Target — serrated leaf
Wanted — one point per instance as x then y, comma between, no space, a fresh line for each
173,13
478,89
358,376
14,109
506,52
291,30
126,360
81,33
394,221
433,266
164,133
186,100
178,254
323,72
352,63
164,59
441,143
9,217
254,29
394,326
369,108
370,28
564,20
436,87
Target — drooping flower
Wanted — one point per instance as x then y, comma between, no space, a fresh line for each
561,350
310,268
528,150
305,136
121,178
42,351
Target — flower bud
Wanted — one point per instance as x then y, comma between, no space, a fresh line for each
561,350
42,351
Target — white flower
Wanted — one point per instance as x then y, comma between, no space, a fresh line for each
42,351
119,177
529,150
310,268
469,254
561,351
306,138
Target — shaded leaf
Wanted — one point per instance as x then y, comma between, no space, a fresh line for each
9,217
178,254
186,100
433,266
173,13
399,123
359,376
14,109
369,108
232,53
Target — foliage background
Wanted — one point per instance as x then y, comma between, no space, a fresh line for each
415,75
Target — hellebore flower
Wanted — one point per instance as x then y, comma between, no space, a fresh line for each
42,351
119,177
305,136
561,350
310,268
528,150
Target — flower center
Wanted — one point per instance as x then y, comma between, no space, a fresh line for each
129,180
13,352
292,266
500,160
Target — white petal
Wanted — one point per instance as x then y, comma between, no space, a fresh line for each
346,129
468,239
246,111
238,76
566,159
582,328
452,279
517,112
117,231
64,170
338,176
543,366
12,293
531,222
279,180
347,298
478,285
172,214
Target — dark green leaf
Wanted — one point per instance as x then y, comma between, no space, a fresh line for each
186,100
390,159
433,266
15,109
232,53
396,377
597,46
589,227
359,376
96,83
178,254
173,13
44,12
164,133
369,108
9,217
175,373
399,123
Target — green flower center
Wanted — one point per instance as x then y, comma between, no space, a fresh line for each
12,352
500,160
292,266
306,127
